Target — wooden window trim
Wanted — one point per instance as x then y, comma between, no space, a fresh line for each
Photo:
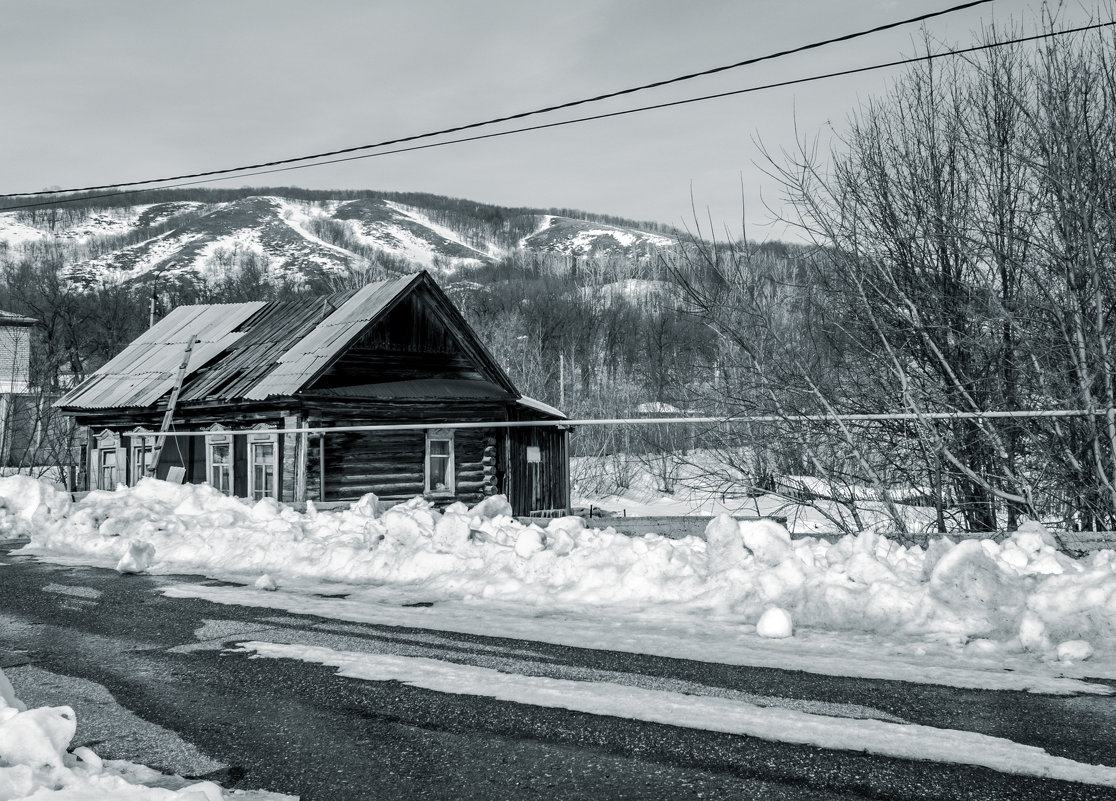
107,442
220,436
141,441
440,435
262,434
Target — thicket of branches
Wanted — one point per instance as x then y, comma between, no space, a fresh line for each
965,227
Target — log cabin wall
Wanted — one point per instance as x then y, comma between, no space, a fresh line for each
392,464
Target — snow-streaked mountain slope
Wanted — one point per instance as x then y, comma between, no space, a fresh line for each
573,237
284,234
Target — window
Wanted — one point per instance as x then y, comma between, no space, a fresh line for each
103,462
106,468
262,461
219,460
142,452
439,462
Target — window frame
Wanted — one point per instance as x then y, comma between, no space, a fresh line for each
141,450
106,444
440,435
263,434
220,436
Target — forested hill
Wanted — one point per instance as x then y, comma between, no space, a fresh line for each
584,311
200,236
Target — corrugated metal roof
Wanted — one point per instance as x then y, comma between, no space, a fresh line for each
319,346
254,351
147,369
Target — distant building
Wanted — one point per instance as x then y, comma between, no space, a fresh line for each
19,407
392,353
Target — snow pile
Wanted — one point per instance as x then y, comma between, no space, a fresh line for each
1019,595
34,761
28,504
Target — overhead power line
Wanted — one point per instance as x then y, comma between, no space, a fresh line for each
520,115
623,112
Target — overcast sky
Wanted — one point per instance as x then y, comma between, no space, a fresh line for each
121,90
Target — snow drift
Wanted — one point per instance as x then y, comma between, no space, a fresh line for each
1018,595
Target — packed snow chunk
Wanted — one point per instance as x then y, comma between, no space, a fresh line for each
1032,633
452,532
529,542
265,582
496,506
202,791
27,503
8,698
562,534
967,579
769,541
17,781
410,523
368,506
724,547
934,552
93,763
1031,537
38,737
775,624
1074,651
137,558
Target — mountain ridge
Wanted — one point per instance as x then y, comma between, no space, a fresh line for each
205,235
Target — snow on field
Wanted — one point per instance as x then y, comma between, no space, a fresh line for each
35,763
981,599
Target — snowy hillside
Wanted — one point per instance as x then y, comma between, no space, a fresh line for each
308,236
582,238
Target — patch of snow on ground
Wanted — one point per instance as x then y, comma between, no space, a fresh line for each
547,221
157,249
438,230
898,740
298,215
16,233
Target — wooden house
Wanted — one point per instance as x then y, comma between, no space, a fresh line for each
257,375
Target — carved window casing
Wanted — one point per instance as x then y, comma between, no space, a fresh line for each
219,455
439,462
263,462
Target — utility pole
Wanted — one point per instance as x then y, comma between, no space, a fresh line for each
151,317
561,381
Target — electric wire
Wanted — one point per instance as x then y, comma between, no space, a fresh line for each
561,123
523,114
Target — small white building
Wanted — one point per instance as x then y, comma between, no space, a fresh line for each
19,406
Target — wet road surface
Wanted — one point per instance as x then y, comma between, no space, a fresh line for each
153,680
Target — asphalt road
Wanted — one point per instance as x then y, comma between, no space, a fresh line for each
153,681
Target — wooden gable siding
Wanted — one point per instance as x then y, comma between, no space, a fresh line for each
413,340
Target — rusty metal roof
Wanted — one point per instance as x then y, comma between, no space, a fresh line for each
147,369
251,351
